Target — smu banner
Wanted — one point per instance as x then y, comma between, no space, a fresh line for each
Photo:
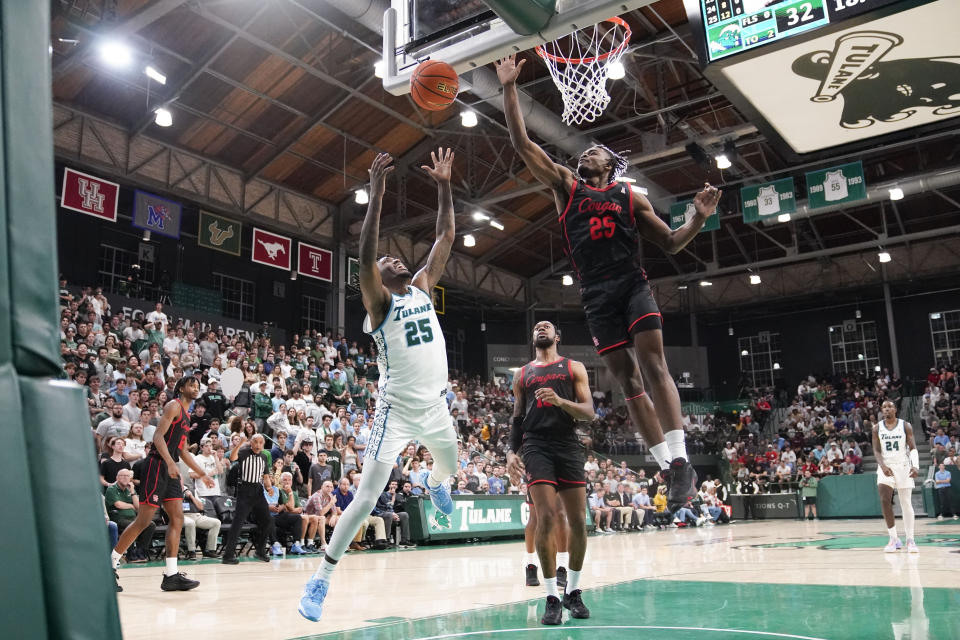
89,194
156,214
315,262
271,249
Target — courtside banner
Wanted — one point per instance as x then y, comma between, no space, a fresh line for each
475,516
89,194
156,214
315,262
271,249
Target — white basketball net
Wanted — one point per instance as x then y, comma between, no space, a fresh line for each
579,64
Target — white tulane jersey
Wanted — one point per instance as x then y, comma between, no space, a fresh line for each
768,201
835,186
893,444
412,353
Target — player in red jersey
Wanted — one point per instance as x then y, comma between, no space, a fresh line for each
160,484
602,223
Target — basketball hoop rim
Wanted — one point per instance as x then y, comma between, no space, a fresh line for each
543,53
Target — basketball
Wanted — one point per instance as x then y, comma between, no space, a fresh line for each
434,85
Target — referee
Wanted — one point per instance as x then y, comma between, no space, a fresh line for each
253,466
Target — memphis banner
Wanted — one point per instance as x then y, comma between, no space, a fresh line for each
156,214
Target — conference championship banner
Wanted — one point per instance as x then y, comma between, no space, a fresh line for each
683,212
89,194
271,249
762,201
219,233
314,262
155,214
836,185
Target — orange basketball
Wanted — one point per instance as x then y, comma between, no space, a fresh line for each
434,85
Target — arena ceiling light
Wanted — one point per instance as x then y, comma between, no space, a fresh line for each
723,162
616,70
754,278
744,353
163,117
935,316
378,68
116,54
469,240
859,356
876,368
360,196
468,118
783,217
480,216
496,225
706,283
566,280
682,286
155,75
896,193
884,256
776,366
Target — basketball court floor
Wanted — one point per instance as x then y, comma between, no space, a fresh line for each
771,579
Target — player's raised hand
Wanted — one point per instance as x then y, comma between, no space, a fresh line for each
378,173
706,201
442,167
508,69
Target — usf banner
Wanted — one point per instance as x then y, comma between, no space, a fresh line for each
219,233
836,185
683,212
474,516
762,201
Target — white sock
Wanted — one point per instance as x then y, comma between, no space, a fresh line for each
529,558
171,567
563,559
115,558
434,480
551,584
325,570
893,532
661,453
301,542
573,580
676,441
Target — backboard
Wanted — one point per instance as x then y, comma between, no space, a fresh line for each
467,34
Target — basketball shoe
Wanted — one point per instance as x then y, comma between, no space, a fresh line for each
311,602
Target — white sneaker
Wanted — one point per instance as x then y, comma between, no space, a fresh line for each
939,517
893,546
912,546
955,517
609,531
673,525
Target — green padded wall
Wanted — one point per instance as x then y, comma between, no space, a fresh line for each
848,496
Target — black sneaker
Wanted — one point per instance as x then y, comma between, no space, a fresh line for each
532,580
561,578
406,544
178,582
573,602
263,556
210,554
116,577
681,483
230,560
554,612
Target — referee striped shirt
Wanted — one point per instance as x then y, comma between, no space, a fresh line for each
252,465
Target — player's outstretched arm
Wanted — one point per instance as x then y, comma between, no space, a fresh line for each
541,166
912,446
514,465
672,241
375,296
441,171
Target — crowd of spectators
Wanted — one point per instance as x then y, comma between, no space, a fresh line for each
940,413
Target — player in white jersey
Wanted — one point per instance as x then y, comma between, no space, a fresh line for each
899,463
413,360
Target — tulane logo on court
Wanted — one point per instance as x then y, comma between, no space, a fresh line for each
840,540
874,90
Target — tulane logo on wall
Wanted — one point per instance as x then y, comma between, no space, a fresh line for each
876,90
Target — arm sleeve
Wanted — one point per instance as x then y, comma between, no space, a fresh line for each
516,433
914,459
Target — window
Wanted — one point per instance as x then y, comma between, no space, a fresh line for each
454,349
854,347
114,267
758,355
237,296
945,333
313,313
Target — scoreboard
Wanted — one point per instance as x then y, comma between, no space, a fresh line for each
733,26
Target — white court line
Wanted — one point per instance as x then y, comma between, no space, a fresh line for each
586,628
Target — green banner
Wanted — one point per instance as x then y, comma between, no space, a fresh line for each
707,408
761,201
353,273
219,233
836,185
474,516
682,212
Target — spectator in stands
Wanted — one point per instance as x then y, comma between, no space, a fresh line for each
808,492
113,462
385,509
212,465
195,519
343,497
214,401
600,509
122,508
114,426
135,446
291,506
644,508
942,480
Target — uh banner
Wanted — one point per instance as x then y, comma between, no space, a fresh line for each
156,214
474,516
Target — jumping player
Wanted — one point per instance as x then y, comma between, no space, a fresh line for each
551,393
412,356
899,461
602,223
160,484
